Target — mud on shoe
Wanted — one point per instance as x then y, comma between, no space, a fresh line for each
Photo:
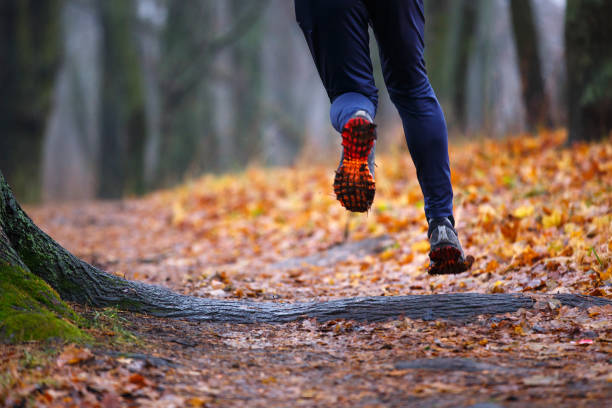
446,255
354,181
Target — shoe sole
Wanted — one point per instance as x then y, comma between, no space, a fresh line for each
447,260
354,184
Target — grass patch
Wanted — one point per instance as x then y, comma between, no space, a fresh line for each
107,324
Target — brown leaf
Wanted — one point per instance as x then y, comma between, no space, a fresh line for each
73,354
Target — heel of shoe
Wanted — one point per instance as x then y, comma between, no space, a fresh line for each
358,138
354,182
448,260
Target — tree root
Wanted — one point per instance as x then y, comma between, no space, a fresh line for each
77,281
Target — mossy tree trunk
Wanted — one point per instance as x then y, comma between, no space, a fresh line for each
526,39
74,279
29,308
588,51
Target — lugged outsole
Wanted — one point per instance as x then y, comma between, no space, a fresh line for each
354,183
448,260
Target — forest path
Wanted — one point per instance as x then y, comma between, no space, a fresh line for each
549,356
542,350
535,215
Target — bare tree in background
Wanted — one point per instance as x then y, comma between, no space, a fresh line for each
530,68
450,32
72,134
190,45
122,106
588,39
462,43
30,50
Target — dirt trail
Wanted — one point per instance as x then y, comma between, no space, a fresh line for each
535,215
527,359
549,355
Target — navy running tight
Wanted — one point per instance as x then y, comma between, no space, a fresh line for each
337,34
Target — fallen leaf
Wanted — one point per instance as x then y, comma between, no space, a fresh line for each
538,380
73,354
420,247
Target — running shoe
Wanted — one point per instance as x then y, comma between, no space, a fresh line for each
446,255
354,182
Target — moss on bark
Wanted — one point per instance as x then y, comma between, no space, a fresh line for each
31,310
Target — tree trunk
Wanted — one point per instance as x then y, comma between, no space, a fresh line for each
29,58
465,38
246,86
29,308
190,45
123,118
588,51
186,111
528,53
439,15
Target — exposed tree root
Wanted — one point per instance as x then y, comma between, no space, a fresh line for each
76,280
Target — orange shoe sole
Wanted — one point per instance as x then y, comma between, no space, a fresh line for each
354,183
447,261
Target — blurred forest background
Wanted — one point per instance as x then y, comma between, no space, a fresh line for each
107,98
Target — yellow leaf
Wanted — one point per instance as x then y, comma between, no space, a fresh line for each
386,255
421,246
498,287
523,211
572,230
407,259
178,213
552,220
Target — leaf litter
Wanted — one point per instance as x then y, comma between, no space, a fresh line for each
536,216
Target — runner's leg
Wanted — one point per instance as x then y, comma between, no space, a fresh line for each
337,34
399,29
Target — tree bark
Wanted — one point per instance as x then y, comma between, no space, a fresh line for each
530,68
29,308
588,51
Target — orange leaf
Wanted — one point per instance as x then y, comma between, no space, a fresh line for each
73,354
